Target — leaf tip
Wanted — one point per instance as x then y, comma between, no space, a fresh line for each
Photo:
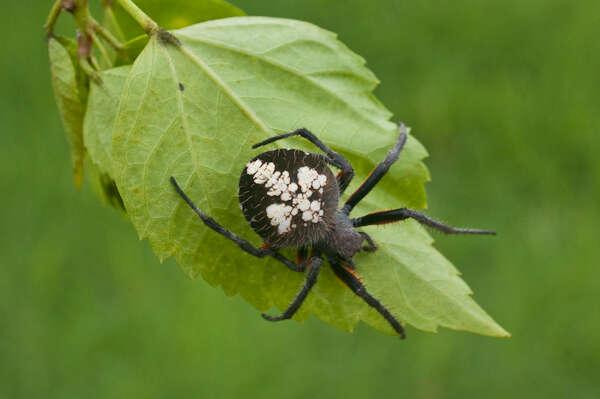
494,330
503,333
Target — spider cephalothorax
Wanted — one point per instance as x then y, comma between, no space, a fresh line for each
290,198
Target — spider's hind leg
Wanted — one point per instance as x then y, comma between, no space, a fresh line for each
311,280
351,279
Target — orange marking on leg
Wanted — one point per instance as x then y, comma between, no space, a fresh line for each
377,212
308,263
299,257
363,183
353,273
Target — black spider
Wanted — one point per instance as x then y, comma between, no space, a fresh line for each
290,198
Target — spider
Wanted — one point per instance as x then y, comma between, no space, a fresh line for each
290,199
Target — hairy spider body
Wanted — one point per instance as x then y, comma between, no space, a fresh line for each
290,199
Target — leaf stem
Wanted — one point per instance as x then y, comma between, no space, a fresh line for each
109,18
106,35
101,50
147,23
90,71
94,63
52,17
81,14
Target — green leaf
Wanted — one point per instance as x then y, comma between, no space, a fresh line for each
174,15
100,116
246,79
70,102
419,284
98,125
82,78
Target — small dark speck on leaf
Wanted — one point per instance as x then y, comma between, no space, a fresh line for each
181,87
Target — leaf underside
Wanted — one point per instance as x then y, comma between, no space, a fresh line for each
68,98
103,103
245,79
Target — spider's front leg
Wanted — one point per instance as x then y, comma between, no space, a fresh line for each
377,173
396,215
346,171
243,244
315,263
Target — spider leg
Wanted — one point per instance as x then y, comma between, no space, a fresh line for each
397,215
243,244
351,279
311,280
301,255
371,246
377,173
346,171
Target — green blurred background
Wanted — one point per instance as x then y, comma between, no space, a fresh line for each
505,95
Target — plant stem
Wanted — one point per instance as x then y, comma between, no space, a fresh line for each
52,17
94,63
102,50
106,35
90,71
147,24
109,18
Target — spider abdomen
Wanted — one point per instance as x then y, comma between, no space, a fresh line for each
289,197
